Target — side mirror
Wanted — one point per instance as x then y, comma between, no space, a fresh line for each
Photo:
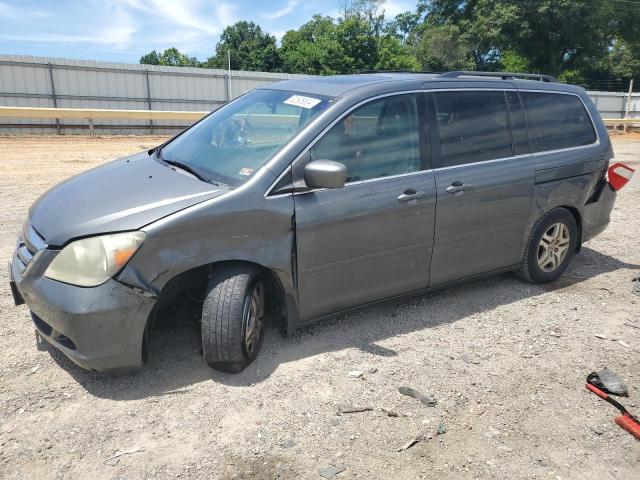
325,174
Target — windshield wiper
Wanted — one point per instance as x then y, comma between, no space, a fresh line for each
183,166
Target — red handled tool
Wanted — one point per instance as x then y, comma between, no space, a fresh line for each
627,421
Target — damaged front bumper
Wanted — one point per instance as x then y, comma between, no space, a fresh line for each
99,328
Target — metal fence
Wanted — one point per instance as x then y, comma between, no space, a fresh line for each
614,104
27,81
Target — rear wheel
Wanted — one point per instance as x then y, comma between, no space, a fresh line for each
550,248
233,317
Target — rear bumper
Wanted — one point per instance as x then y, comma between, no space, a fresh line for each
597,215
99,328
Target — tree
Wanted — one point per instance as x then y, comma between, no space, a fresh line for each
250,49
171,57
357,36
394,55
443,48
552,35
314,49
151,58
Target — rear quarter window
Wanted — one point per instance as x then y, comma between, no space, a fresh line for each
557,121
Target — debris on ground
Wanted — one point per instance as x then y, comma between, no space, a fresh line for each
356,373
392,413
636,285
470,359
343,410
608,382
411,392
414,441
601,336
113,460
331,471
442,429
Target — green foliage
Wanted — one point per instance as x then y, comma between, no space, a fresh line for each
514,62
552,35
313,48
171,57
151,58
624,59
443,47
250,49
576,40
395,55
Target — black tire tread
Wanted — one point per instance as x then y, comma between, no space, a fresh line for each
222,317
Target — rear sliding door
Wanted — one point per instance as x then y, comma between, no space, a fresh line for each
484,183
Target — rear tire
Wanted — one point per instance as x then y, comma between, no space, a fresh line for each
550,248
233,318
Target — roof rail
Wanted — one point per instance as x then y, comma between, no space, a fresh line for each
502,75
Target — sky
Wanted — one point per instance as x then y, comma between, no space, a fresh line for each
124,30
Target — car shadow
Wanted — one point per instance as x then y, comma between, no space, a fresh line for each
176,365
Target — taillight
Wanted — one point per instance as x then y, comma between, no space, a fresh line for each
619,175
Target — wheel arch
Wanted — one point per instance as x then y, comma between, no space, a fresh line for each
280,303
578,218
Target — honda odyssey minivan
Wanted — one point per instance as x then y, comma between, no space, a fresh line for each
309,197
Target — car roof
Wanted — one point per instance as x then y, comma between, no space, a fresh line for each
343,85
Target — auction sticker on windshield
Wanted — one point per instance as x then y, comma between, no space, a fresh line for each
302,101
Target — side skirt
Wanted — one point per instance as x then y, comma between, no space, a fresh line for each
422,291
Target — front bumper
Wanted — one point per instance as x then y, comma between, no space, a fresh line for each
99,328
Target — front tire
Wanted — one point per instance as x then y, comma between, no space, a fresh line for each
233,318
550,248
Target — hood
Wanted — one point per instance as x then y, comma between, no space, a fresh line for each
126,194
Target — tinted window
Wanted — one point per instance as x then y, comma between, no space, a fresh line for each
473,126
378,139
556,121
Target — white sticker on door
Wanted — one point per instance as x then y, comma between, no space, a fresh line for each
302,101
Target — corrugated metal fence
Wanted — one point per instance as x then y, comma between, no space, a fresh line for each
27,81
52,82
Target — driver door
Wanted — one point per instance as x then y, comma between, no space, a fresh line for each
371,239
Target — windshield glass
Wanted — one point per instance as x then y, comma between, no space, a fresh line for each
232,143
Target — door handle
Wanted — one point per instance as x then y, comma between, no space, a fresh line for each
411,194
459,187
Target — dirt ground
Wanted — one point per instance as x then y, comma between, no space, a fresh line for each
505,360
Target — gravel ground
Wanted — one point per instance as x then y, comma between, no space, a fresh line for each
505,360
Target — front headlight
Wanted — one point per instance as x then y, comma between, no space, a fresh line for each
92,261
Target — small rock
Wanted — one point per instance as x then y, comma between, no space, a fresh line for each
34,369
331,471
410,392
442,429
372,370
467,359
601,336
289,444
356,373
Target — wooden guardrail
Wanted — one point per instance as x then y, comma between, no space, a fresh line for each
91,114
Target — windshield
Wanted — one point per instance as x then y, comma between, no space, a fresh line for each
232,143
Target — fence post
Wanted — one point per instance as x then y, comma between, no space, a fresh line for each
227,84
628,107
146,76
53,95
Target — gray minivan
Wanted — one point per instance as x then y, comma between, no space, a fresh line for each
309,197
